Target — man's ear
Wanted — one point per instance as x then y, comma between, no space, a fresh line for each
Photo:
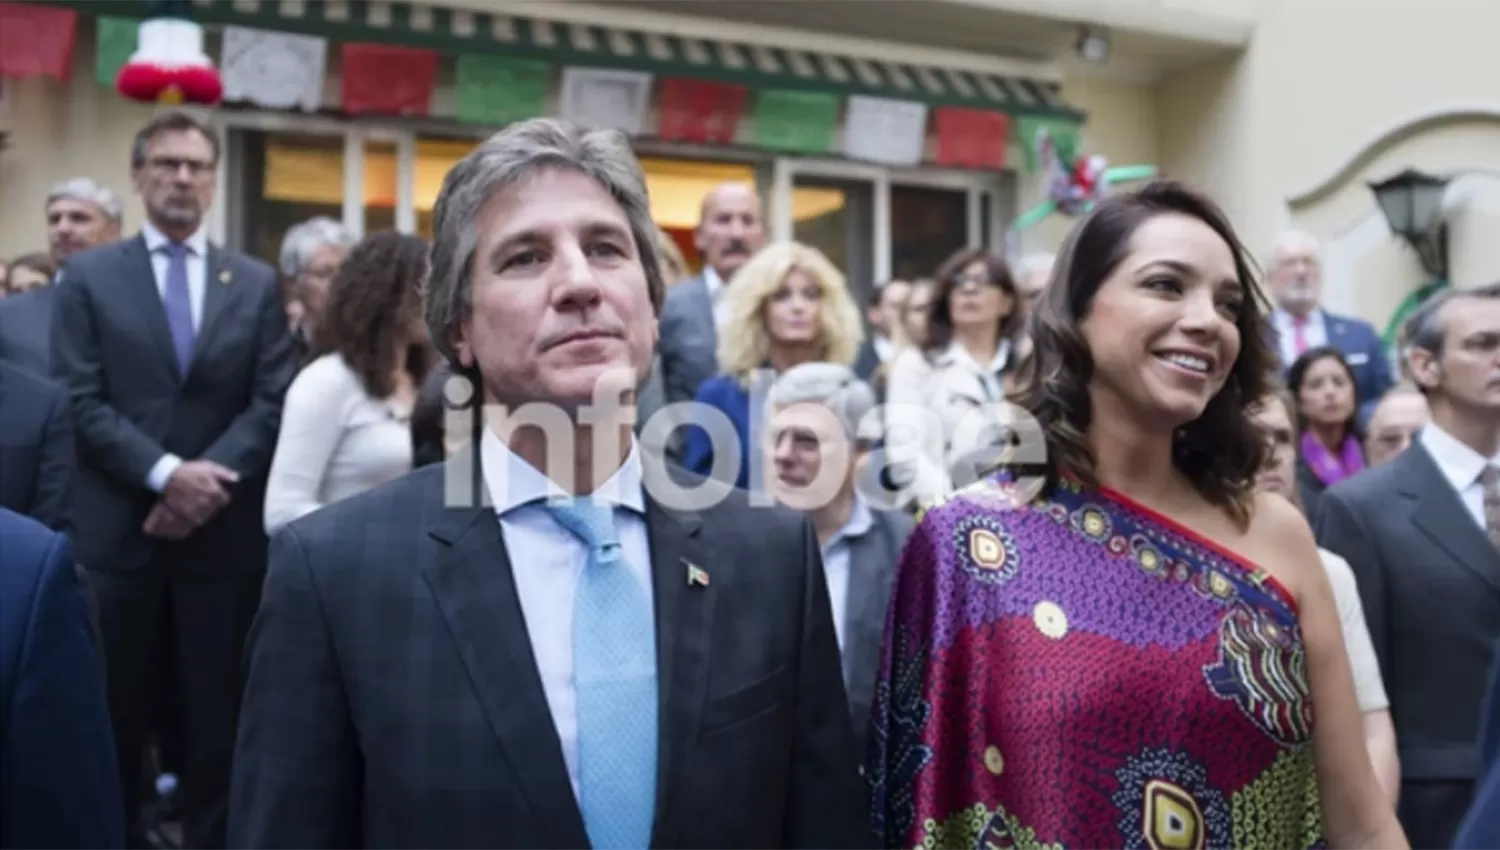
1425,368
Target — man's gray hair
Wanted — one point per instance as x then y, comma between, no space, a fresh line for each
830,385
304,239
1427,328
509,157
90,192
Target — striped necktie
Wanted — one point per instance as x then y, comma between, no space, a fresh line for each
1489,479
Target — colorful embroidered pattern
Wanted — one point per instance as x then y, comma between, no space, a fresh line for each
1078,672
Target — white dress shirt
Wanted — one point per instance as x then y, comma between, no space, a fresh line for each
836,554
547,561
336,441
715,285
1459,464
197,274
1314,333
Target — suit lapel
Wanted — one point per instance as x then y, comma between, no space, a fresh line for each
684,619
217,289
141,289
471,580
1442,516
870,566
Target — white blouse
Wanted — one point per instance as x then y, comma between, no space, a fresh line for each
335,441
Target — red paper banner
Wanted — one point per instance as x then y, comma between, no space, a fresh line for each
386,80
700,111
971,138
37,41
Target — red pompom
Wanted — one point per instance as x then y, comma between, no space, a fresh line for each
151,83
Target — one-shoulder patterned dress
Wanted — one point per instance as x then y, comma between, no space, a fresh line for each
1078,671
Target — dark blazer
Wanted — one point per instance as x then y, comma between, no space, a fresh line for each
1366,355
112,349
728,396
689,339
393,699
36,448
1481,827
1429,582
872,568
867,360
25,329
58,783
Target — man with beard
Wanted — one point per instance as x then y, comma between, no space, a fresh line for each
1296,279
81,215
176,356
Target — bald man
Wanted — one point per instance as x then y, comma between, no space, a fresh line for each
730,231
1394,423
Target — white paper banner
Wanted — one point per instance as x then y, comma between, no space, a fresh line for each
890,132
274,69
607,99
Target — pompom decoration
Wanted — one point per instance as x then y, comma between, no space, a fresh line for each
1075,183
169,65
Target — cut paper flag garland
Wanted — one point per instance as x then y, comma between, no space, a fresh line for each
276,70
499,89
890,132
384,79
114,41
701,111
971,138
595,97
169,65
799,121
37,41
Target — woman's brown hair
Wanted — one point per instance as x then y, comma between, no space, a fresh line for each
373,302
997,274
1222,451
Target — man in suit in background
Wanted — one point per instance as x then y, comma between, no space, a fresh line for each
81,215
817,454
883,312
177,356
58,783
730,231
1422,533
36,448
577,662
1299,323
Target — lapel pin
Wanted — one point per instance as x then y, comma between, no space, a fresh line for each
696,576
225,276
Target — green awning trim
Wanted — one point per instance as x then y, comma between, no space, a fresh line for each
461,31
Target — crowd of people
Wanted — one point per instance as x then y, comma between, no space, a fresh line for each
528,535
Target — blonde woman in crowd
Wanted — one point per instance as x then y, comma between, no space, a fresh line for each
787,306
344,427
1276,415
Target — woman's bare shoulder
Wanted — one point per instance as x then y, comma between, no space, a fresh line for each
1283,540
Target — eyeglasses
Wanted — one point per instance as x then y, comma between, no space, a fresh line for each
169,166
975,279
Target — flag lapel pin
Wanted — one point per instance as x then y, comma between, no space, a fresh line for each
225,277
696,576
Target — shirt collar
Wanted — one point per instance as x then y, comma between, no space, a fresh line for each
1459,464
713,282
156,240
958,354
1284,320
859,523
513,483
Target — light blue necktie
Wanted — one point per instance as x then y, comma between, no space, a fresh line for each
614,675
178,303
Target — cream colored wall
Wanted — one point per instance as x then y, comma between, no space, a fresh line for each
60,131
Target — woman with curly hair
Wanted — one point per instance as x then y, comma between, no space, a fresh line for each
787,306
1122,646
344,425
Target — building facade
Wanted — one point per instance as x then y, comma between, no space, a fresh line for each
1282,109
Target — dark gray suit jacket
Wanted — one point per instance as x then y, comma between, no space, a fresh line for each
36,448
112,349
25,329
393,698
1429,582
872,568
689,339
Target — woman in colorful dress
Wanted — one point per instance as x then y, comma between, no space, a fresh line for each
1121,647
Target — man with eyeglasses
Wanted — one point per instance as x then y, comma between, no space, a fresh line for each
176,355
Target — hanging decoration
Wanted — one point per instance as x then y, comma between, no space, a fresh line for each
169,65
597,97
700,111
1074,185
383,79
37,41
499,90
890,132
114,41
795,121
1392,336
971,138
276,70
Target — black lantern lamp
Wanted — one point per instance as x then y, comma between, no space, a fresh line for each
1413,206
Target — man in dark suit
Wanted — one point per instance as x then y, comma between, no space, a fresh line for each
634,666
1422,532
81,215
176,355
883,311
1299,324
36,448
58,783
730,231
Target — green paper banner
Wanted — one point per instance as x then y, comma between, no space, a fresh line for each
114,40
499,90
1063,132
798,121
